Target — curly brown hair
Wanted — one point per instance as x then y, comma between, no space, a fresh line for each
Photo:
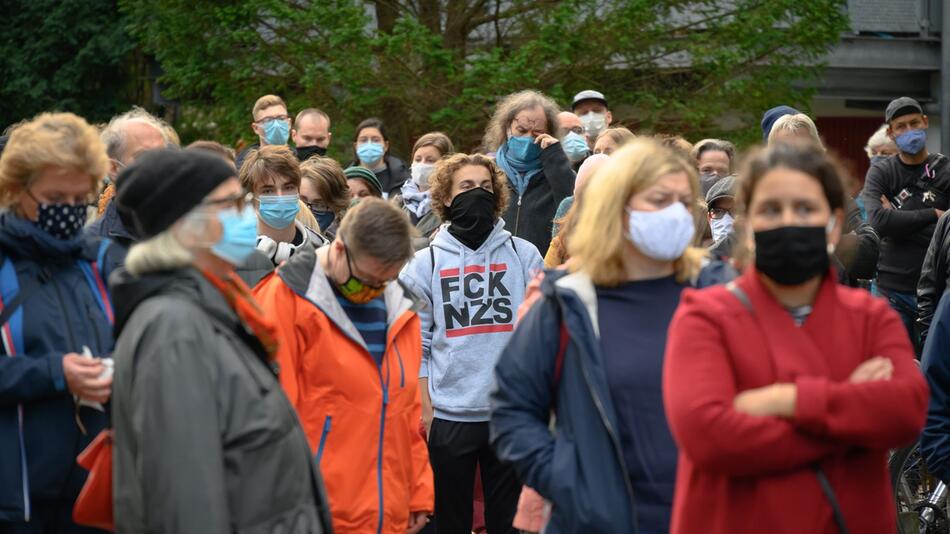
440,182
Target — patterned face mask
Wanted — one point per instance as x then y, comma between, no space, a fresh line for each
62,221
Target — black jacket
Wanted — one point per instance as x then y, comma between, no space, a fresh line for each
205,439
933,276
858,250
529,216
906,228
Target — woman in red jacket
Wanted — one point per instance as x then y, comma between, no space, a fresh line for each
785,390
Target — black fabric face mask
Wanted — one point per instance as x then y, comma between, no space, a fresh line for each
306,152
791,255
473,217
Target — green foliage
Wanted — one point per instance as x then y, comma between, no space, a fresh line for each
422,65
64,55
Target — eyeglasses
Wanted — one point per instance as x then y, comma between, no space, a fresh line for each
237,201
719,213
318,205
349,265
264,121
579,130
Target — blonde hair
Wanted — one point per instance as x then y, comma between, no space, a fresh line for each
161,253
794,124
439,140
878,139
306,218
497,132
598,241
266,101
620,135
50,140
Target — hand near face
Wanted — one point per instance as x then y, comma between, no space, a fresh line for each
545,140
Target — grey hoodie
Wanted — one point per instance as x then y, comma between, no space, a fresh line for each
468,319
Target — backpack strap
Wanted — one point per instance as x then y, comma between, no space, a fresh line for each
11,297
737,292
93,272
564,338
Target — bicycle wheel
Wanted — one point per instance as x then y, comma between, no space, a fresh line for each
913,486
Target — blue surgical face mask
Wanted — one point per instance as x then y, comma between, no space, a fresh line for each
278,211
912,142
523,149
276,132
664,234
575,147
877,159
238,235
370,153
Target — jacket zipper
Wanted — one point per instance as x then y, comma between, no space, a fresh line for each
62,306
323,437
379,452
615,441
518,214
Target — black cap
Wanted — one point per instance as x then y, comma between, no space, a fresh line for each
589,94
164,185
899,107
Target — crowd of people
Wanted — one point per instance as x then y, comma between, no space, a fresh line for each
572,328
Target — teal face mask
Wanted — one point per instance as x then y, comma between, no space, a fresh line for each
575,147
276,132
238,235
278,211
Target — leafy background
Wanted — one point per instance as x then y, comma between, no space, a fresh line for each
693,67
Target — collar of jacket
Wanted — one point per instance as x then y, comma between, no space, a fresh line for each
113,226
582,287
304,275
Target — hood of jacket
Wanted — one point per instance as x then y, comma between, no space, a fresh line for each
306,277
187,283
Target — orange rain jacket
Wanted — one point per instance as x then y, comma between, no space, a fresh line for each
361,418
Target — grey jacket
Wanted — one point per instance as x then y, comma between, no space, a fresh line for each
205,440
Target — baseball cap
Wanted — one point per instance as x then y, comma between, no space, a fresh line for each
589,94
900,107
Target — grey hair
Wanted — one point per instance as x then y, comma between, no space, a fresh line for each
794,123
160,253
877,139
715,145
113,135
497,132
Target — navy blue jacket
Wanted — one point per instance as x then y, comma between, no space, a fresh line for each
935,363
110,226
580,470
60,315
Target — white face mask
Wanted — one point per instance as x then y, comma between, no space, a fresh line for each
594,123
721,227
420,174
664,234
